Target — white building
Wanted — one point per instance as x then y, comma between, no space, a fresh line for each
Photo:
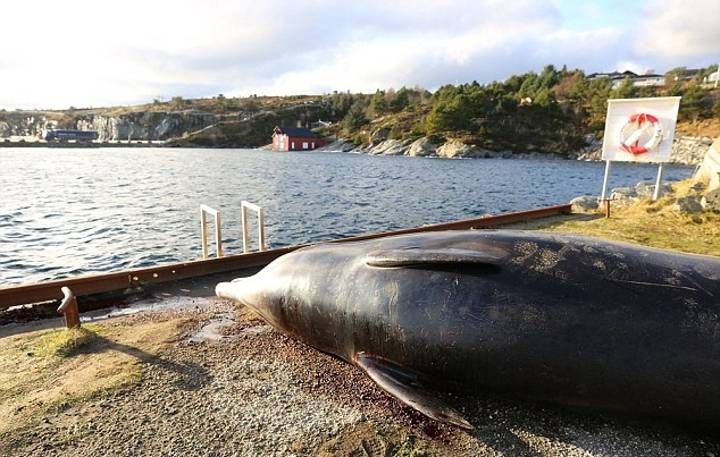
617,79
649,81
712,79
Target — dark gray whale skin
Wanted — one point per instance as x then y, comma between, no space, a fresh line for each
567,319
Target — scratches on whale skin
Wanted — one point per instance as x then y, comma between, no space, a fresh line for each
540,260
680,274
524,250
465,313
653,284
392,293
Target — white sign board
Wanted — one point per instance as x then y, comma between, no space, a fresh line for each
640,129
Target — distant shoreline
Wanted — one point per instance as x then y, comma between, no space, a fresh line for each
687,151
39,144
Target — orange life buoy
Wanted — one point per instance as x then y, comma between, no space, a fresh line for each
641,134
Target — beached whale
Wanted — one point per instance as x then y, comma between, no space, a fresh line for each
561,318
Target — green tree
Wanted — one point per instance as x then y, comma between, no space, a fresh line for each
400,101
626,89
696,103
378,105
355,118
177,102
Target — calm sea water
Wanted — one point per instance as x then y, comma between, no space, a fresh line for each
65,212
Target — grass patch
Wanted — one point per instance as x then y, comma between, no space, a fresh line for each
655,224
53,370
65,342
410,448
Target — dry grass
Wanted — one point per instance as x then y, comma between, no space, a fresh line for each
706,127
57,368
654,224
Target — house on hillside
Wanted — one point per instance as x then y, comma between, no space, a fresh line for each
687,74
294,139
613,75
712,79
649,80
617,78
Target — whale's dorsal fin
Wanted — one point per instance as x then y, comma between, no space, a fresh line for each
417,256
404,385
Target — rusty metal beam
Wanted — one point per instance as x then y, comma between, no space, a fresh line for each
107,282
474,223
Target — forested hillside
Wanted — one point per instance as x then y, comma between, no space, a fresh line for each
556,110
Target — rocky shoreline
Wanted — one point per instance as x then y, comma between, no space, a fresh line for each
702,194
686,150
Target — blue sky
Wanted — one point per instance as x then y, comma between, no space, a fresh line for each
77,53
581,15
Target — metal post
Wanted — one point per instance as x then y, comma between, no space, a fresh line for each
218,234
245,206
261,229
603,196
69,307
203,233
246,240
204,210
658,182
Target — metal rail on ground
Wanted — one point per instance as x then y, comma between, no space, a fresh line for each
121,280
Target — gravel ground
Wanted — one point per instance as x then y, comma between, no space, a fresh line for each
254,392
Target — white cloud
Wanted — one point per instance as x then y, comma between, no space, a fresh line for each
680,28
635,67
81,53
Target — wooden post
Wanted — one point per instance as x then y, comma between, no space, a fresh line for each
69,307
607,207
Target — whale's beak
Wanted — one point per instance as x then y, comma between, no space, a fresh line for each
232,290
253,292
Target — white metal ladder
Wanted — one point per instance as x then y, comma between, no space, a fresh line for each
245,207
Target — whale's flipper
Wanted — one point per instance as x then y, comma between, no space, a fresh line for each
416,256
404,385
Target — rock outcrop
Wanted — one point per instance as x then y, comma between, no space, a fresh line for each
584,204
454,149
422,147
690,204
709,171
148,125
189,127
379,136
337,146
389,148
686,150
711,200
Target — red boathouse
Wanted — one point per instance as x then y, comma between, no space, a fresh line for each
294,139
